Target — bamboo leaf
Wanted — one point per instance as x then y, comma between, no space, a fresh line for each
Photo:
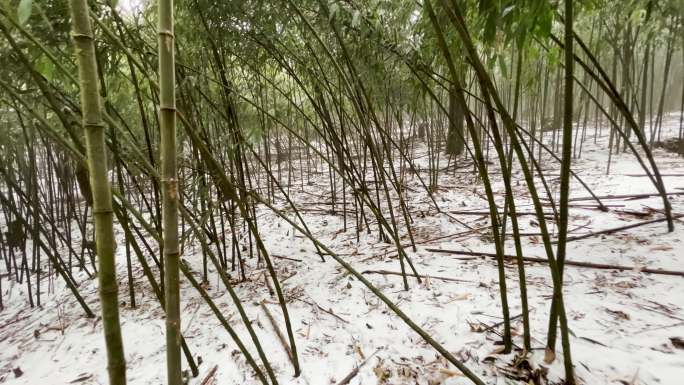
502,66
46,67
333,10
24,10
507,10
356,19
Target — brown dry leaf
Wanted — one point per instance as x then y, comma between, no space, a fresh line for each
477,327
450,373
82,377
497,350
618,314
381,372
625,284
405,371
358,351
492,356
549,356
677,342
517,331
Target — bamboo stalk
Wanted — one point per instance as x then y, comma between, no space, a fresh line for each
102,196
169,187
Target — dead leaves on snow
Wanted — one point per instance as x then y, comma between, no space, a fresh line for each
409,370
618,314
522,368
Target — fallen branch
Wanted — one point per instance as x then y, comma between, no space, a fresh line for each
591,265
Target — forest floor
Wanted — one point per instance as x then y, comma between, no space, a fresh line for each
627,327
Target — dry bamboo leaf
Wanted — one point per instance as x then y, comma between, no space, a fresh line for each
661,248
618,314
477,327
462,296
358,351
381,372
82,377
625,284
450,373
549,356
492,355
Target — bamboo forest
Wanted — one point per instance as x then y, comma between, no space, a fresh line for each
331,192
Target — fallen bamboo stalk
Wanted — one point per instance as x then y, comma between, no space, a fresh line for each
644,175
616,229
483,213
623,196
462,233
496,325
287,258
208,378
323,309
356,369
591,265
280,335
588,206
387,272
661,211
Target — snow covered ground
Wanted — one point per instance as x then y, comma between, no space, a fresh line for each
623,322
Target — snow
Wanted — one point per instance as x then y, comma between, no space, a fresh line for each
621,321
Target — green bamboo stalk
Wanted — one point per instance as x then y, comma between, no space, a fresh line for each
487,86
494,217
102,196
557,307
201,237
169,183
395,309
608,86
